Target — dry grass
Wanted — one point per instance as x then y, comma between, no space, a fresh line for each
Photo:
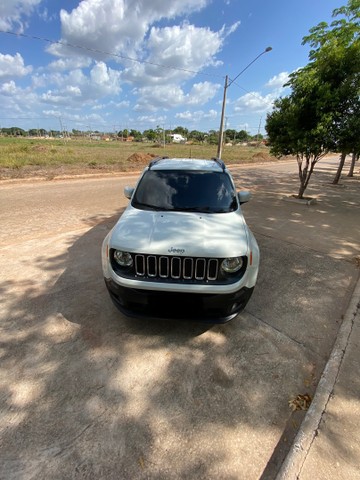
48,157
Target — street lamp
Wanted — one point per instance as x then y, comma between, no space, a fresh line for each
226,86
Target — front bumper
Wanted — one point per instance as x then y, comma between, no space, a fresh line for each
212,308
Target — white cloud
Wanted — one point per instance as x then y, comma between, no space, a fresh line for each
172,95
123,28
12,66
8,88
197,116
232,29
143,122
176,53
12,13
69,63
202,92
78,119
123,104
254,102
167,56
117,26
184,47
72,90
79,79
279,80
76,87
15,100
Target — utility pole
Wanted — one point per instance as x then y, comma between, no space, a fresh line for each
221,132
226,86
258,134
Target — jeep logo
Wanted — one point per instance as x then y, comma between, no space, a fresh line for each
176,250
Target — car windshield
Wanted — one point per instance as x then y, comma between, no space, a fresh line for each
190,191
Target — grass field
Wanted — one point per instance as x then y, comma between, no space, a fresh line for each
20,157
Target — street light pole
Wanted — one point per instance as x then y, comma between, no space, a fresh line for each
226,86
221,133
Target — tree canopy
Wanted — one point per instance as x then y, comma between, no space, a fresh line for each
322,113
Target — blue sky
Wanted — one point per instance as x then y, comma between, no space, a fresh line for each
149,63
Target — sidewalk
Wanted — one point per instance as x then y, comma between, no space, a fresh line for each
327,445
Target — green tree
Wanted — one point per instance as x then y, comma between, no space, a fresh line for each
230,135
242,136
150,135
196,135
54,133
213,137
14,131
136,134
323,111
335,55
297,126
123,133
181,130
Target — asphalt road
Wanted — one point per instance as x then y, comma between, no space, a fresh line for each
88,393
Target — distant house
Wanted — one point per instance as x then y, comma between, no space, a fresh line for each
95,136
177,138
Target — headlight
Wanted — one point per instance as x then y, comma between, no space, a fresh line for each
124,259
232,265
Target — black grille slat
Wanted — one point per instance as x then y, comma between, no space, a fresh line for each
164,267
176,268
212,269
188,268
151,264
140,265
200,268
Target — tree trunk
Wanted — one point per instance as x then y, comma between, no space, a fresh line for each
339,170
302,189
305,174
302,175
352,166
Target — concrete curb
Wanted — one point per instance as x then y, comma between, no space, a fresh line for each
296,457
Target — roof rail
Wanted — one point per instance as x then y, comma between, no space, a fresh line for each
155,161
219,162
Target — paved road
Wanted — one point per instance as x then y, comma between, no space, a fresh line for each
87,393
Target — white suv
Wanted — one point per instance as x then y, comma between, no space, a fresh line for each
182,248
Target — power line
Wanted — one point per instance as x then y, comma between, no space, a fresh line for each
111,54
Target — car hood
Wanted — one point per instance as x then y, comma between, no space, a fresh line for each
181,233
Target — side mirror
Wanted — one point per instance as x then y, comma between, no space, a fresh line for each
244,196
128,192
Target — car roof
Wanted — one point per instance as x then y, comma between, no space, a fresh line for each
212,165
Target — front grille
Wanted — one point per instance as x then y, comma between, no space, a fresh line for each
176,268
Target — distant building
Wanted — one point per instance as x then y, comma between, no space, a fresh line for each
177,138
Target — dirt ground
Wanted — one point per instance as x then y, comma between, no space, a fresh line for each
88,393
